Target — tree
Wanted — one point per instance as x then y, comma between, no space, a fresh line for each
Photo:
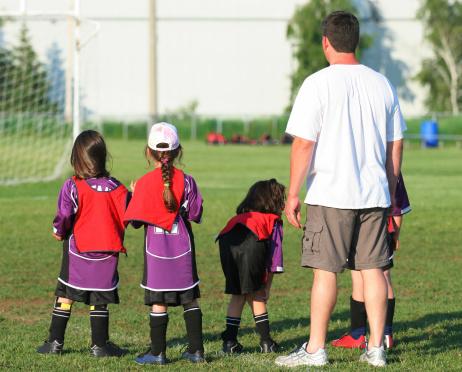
442,73
304,31
24,85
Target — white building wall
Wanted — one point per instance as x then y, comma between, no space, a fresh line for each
232,57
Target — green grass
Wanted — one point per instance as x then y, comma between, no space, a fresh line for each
428,319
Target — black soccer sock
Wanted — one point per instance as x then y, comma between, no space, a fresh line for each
60,316
262,325
99,321
390,315
232,328
358,318
193,319
158,323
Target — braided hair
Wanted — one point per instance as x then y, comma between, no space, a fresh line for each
166,160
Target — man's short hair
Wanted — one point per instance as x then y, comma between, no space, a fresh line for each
342,30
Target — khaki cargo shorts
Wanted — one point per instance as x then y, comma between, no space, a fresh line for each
336,239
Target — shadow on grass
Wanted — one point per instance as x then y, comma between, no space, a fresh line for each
276,327
433,333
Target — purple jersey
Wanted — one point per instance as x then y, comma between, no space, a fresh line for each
276,264
86,271
169,256
402,200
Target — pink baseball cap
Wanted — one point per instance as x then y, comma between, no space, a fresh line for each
164,133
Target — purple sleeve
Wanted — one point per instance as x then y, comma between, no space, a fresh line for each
67,209
192,204
276,265
402,200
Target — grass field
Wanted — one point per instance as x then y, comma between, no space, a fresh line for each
428,319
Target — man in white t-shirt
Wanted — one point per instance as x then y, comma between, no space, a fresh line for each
348,129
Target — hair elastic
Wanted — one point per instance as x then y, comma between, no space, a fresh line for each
167,184
164,160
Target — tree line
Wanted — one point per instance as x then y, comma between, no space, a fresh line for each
24,81
441,74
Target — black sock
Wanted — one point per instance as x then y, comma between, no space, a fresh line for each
232,327
262,325
358,318
99,321
193,319
60,316
390,315
158,323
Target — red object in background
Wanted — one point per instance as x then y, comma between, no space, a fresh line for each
215,138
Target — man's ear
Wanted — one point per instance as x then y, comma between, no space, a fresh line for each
325,42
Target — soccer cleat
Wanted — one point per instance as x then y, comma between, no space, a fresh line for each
232,347
53,347
269,346
348,342
108,350
388,342
375,356
197,357
149,358
300,357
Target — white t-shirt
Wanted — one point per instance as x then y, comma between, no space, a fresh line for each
351,112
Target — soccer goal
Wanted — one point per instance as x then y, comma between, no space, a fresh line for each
40,91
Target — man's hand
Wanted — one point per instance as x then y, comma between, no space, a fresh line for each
292,211
57,237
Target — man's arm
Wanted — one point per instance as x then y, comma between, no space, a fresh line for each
393,166
300,160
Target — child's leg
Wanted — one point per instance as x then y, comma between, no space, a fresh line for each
233,317
158,322
257,302
60,316
358,315
99,322
260,315
390,304
193,318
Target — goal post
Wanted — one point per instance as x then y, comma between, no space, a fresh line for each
40,90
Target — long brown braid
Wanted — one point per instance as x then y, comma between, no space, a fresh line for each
166,160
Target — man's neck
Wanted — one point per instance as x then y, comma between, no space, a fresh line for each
343,59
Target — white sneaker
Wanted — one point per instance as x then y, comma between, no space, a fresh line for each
375,356
300,357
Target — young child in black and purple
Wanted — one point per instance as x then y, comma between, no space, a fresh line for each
250,253
89,221
165,202
356,337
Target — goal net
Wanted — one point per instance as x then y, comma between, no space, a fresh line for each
36,97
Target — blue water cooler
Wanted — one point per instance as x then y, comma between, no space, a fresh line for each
429,133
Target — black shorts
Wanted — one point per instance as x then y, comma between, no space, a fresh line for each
391,252
243,260
87,297
171,298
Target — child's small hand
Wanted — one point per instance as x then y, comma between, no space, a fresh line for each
132,186
57,237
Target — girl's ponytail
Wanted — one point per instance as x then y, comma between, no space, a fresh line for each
167,167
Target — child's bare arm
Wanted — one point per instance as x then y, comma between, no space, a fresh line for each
57,237
397,223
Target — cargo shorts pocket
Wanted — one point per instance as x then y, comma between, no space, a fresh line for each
311,238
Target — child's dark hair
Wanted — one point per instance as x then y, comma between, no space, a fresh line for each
265,197
166,159
88,156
